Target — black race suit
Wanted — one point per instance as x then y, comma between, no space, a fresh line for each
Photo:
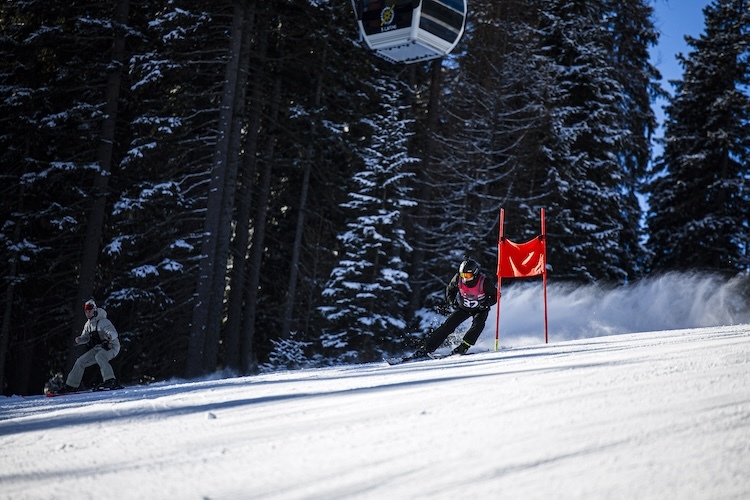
469,300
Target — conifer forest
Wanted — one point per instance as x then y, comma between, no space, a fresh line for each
242,185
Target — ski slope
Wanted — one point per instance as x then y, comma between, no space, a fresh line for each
649,415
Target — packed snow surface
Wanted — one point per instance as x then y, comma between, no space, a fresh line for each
647,415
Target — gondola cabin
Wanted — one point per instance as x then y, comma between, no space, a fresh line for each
411,31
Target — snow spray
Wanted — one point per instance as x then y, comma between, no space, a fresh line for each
668,302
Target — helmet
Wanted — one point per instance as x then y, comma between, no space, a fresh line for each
468,269
90,305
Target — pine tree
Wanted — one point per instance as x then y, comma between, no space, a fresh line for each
151,251
587,213
61,142
698,217
484,154
494,116
631,24
368,290
323,93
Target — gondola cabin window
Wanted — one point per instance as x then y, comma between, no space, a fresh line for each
380,16
411,30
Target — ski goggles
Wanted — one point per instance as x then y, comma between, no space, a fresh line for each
467,276
88,307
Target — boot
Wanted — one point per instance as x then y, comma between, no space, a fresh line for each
421,352
107,385
461,348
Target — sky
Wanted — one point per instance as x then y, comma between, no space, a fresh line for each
674,19
654,415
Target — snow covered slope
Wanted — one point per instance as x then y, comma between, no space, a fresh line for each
649,415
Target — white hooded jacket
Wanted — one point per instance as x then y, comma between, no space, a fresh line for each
105,329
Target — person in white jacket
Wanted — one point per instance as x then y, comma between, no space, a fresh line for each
102,334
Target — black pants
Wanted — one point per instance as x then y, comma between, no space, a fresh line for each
451,323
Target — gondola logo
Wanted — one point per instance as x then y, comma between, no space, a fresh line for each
387,15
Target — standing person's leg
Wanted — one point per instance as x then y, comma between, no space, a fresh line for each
474,331
84,361
449,326
103,357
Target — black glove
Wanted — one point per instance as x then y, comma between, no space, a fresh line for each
103,343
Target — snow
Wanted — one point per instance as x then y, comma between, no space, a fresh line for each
662,414
144,271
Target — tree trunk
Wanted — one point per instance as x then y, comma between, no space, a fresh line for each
286,321
95,222
9,296
242,232
425,194
207,286
213,331
256,253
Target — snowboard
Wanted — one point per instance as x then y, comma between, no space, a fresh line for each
87,391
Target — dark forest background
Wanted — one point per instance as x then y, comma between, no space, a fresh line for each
243,186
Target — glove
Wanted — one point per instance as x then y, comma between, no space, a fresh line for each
79,340
485,306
